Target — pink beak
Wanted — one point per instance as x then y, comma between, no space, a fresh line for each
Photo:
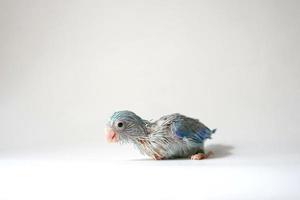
110,135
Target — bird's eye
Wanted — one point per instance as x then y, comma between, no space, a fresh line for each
120,124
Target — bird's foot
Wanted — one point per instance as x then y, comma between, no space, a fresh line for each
157,157
200,156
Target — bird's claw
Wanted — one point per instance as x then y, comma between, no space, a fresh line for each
200,156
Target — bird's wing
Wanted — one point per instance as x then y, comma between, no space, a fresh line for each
192,129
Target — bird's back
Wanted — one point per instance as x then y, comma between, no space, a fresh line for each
176,135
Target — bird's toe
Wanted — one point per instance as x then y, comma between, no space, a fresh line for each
198,156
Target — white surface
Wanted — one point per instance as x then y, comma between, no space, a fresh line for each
65,66
118,173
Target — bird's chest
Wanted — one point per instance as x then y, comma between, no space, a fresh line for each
158,146
150,149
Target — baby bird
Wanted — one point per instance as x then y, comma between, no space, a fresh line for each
171,136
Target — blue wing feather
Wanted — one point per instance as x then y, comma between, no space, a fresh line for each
192,129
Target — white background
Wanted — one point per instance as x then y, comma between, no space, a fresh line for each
66,66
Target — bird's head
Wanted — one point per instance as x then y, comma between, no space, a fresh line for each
125,126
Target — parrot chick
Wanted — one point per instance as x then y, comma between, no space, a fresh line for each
171,136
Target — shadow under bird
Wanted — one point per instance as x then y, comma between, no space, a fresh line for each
171,136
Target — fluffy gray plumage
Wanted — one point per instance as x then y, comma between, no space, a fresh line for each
171,136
